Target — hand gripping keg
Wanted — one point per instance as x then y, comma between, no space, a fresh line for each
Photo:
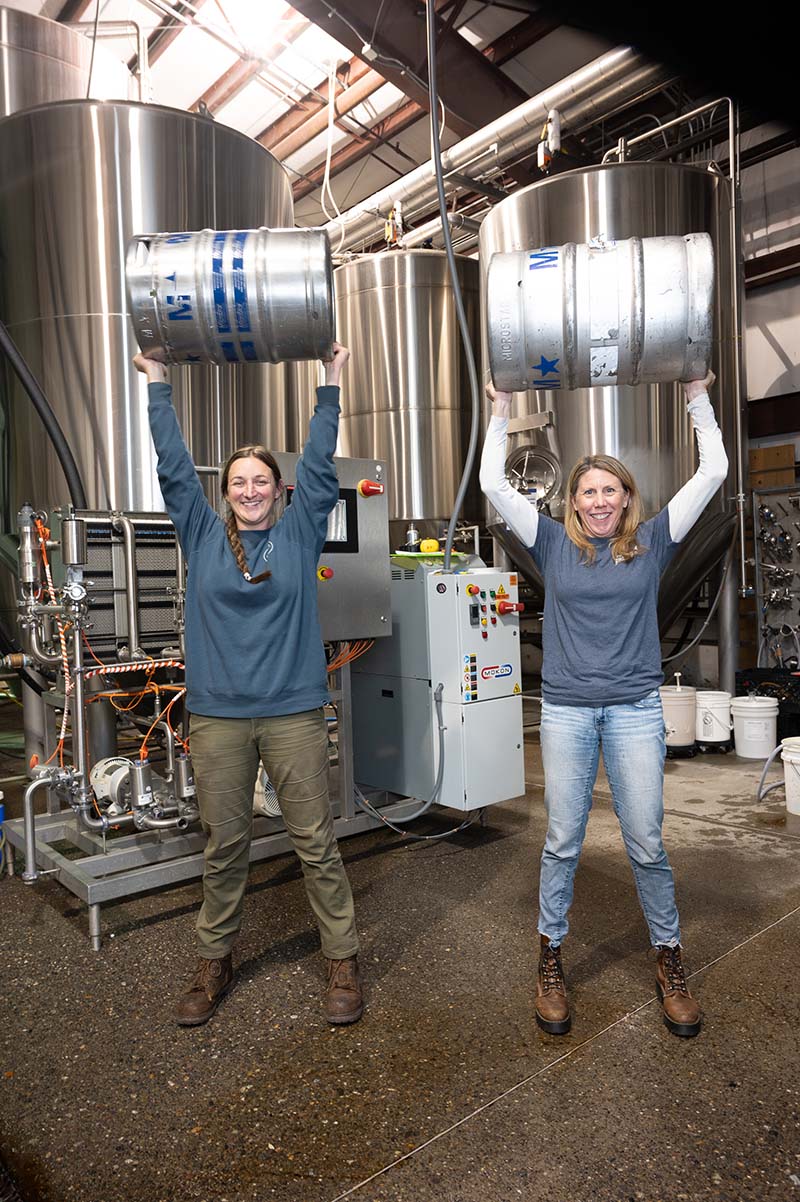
236,296
638,311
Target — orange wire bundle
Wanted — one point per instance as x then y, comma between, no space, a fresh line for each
348,652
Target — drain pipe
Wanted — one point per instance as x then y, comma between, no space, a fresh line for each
582,97
31,873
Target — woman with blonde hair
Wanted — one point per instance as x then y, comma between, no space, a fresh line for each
600,676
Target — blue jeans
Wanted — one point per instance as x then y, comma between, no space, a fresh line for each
633,742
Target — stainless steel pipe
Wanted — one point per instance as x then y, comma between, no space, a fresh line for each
606,312
236,296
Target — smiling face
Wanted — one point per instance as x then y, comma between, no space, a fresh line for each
251,493
600,501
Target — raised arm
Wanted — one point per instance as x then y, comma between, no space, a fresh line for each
317,487
689,502
516,512
180,485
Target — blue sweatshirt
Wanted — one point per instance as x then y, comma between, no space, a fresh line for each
252,650
600,629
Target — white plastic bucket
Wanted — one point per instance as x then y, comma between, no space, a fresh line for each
790,754
680,706
755,725
713,720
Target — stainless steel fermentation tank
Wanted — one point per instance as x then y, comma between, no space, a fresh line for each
647,426
43,61
407,388
77,181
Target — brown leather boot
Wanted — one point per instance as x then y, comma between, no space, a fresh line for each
681,1011
344,1001
212,980
552,1006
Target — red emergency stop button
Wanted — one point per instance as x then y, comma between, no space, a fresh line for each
370,488
473,590
510,607
324,573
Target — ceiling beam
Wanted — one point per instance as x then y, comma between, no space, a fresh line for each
529,31
74,10
380,135
223,90
313,102
761,270
166,32
521,37
347,100
472,89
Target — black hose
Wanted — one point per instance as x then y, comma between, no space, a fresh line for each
42,407
436,154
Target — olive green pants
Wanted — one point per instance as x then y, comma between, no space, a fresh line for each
294,750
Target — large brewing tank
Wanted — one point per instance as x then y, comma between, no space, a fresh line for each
646,426
407,388
77,181
43,61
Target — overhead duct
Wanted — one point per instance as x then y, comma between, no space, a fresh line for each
590,93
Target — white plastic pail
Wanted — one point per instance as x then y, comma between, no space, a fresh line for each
755,726
679,707
713,721
790,754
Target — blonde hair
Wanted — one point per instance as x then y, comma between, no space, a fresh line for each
231,529
624,546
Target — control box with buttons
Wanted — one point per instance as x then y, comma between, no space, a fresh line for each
461,630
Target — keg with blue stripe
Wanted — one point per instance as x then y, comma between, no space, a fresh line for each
232,296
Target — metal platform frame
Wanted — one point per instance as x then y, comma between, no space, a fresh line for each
135,863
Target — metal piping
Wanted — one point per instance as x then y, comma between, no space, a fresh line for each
113,29
33,646
148,823
458,221
31,873
132,585
587,93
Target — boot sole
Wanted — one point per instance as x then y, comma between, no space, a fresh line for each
684,1030
345,1020
199,1022
554,1028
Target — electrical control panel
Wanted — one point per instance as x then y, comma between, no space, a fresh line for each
353,568
448,680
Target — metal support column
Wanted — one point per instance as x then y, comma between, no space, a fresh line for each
728,624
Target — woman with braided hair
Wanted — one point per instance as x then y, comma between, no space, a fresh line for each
256,681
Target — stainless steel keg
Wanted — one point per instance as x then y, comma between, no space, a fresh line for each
634,311
235,296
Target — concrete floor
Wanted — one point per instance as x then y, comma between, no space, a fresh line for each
446,1089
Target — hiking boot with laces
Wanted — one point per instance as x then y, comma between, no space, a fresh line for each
212,980
344,1001
681,1011
552,1006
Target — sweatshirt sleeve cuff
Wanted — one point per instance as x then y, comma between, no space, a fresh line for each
328,394
159,391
